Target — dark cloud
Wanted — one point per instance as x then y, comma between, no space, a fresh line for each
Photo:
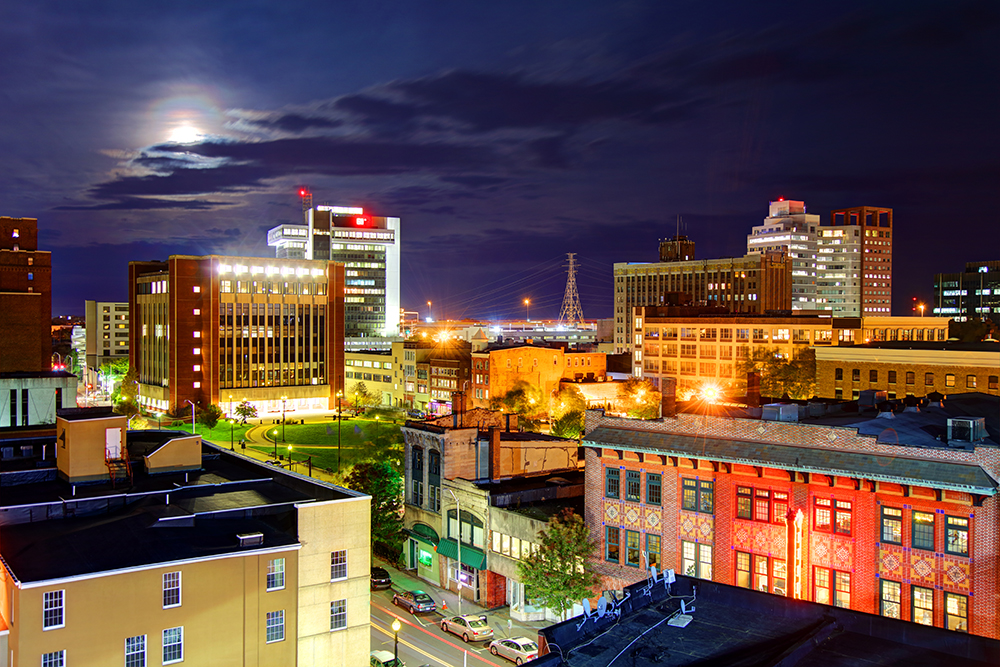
296,123
474,181
147,204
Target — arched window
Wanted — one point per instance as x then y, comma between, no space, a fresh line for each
472,528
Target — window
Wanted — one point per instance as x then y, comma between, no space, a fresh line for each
762,505
890,598
929,379
856,375
832,516
949,379
173,645
910,377
993,381
55,659
653,489
821,585
956,612
275,626
822,514
970,381
742,569
612,482
276,574
842,589
698,495
892,377
611,544
892,525
956,535
923,531
135,651
744,502
338,565
652,550
873,376
632,485
632,548
779,507
696,559
842,517
838,374
52,610
171,589
923,605
338,615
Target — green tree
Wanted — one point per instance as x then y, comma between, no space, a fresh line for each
127,391
209,416
245,411
558,573
569,398
639,398
527,401
570,425
362,397
973,331
384,483
793,377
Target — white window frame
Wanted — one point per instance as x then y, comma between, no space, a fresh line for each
180,643
139,641
61,606
336,563
54,659
274,619
276,574
167,587
336,615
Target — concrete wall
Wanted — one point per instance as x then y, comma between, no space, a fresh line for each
176,454
80,447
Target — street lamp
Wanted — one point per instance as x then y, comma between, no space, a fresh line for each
231,423
377,423
275,438
428,310
289,457
458,577
193,427
283,400
921,307
340,408
527,316
230,405
395,651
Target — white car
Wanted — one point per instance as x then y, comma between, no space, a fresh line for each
468,627
518,650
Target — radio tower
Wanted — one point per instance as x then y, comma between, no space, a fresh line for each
571,312
307,203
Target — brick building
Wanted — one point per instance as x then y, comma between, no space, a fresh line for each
908,369
873,515
25,298
215,329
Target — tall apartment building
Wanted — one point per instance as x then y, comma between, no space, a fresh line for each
107,332
151,547
970,294
368,246
214,329
841,510
788,228
752,284
854,262
25,298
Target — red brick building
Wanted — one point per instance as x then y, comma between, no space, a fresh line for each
25,298
870,514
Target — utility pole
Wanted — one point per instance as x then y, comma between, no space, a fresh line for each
571,312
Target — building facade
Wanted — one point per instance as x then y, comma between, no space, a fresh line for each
854,262
214,329
973,293
752,284
25,298
788,228
106,328
368,246
908,369
846,514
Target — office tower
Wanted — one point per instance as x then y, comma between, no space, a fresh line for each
854,262
368,246
973,293
217,330
677,249
790,229
107,332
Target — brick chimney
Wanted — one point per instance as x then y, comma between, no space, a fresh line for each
668,397
494,435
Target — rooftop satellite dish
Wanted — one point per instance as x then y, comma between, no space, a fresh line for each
586,607
652,573
602,607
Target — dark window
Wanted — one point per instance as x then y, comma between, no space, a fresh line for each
891,594
632,485
24,407
910,377
956,612
929,379
923,531
892,377
873,376
838,374
892,525
632,548
956,535
611,546
856,374
434,467
612,482
993,381
653,489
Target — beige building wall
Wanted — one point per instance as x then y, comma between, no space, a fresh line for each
326,527
223,606
81,445
176,454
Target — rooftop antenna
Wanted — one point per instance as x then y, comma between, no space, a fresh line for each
571,312
307,203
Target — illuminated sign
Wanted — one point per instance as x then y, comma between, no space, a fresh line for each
360,221
799,530
424,558
342,210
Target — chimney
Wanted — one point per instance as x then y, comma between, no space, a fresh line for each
494,435
753,390
507,415
668,397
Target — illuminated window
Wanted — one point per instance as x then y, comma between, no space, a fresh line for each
696,559
612,546
197,311
949,380
196,350
196,334
275,626
956,612
923,605
632,548
196,368
196,385
275,574
171,589
652,550
923,531
821,585
892,525
822,514
970,381
742,569
698,496
53,610
842,589
891,594
196,289
956,535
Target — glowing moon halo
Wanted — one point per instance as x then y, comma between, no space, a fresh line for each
185,134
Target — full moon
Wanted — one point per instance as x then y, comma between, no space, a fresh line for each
185,134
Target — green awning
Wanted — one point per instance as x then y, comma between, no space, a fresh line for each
420,537
471,556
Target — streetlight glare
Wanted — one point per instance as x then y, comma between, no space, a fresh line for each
396,625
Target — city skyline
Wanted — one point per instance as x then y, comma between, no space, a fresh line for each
502,137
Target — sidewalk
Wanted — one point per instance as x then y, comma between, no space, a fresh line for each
498,619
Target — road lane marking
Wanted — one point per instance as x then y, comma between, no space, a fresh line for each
474,653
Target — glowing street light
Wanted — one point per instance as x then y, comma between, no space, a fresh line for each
275,438
527,312
395,651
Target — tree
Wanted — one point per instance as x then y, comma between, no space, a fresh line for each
569,398
362,397
381,481
781,376
639,398
527,401
557,574
972,331
209,416
245,411
570,425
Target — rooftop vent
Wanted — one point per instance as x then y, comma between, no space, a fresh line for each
250,539
967,429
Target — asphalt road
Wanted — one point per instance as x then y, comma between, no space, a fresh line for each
423,642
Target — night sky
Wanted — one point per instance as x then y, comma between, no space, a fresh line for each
504,134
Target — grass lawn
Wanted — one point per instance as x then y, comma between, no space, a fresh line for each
219,435
353,436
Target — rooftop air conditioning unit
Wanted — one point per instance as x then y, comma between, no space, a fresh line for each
967,429
250,539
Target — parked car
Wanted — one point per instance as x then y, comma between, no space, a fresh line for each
380,578
518,650
383,659
414,601
468,627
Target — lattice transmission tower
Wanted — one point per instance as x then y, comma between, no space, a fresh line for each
571,312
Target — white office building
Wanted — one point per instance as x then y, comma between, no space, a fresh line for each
790,229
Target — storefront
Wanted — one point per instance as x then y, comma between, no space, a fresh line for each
473,562
421,553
